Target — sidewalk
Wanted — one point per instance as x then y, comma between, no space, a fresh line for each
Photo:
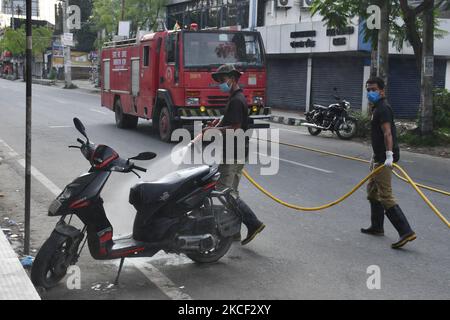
14,281
83,85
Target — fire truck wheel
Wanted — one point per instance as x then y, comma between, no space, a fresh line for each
165,125
124,121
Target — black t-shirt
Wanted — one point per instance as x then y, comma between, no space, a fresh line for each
236,112
383,113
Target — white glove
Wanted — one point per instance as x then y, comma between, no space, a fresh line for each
389,159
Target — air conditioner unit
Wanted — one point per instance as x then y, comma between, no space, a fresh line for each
307,3
285,3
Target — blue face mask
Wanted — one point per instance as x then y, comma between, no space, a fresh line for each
224,87
373,96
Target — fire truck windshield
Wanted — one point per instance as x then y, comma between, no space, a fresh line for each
203,49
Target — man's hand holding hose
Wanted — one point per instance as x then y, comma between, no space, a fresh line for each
213,124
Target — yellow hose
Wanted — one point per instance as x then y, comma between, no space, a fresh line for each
405,178
446,193
295,207
328,205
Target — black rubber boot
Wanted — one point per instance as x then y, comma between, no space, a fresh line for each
400,223
376,218
249,219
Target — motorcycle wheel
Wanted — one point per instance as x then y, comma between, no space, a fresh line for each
51,263
314,131
213,255
350,131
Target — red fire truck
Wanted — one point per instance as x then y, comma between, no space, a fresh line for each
166,77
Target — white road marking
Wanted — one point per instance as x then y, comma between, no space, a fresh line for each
98,111
142,264
155,276
60,101
53,188
296,163
11,152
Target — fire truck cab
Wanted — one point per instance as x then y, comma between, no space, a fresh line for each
166,77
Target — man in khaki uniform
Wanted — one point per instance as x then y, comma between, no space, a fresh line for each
235,117
385,152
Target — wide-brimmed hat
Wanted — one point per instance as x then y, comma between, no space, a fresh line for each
225,70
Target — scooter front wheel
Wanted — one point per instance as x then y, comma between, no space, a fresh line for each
51,263
213,255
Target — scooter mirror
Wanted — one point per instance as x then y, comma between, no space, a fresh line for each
144,156
80,127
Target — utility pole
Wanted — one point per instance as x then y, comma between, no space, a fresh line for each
383,44
12,14
426,112
67,50
123,11
253,14
29,47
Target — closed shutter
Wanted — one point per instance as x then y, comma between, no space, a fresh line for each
344,73
404,85
286,83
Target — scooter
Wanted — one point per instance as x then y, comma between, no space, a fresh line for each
181,213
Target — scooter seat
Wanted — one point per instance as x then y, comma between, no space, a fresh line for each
161,190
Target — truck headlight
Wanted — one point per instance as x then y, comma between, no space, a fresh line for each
193,101
258,100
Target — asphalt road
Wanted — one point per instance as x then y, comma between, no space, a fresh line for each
298,256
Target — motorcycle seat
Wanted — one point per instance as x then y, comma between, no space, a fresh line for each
145,193
320,107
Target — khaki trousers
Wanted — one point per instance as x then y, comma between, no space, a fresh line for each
379,188
230,176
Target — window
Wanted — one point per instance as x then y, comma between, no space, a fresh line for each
170,48
146,56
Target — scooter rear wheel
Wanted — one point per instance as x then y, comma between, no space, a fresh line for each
214,255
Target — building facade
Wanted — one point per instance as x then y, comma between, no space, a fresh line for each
306,60
43,10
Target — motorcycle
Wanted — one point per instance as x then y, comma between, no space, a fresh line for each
334,118
177,214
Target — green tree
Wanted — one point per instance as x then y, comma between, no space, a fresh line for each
14,40
86,36
143,15
42,38
404,23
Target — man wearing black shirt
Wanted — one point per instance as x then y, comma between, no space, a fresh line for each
385,152
235,117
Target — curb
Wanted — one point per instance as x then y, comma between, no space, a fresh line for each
287,120
43,82
14,281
